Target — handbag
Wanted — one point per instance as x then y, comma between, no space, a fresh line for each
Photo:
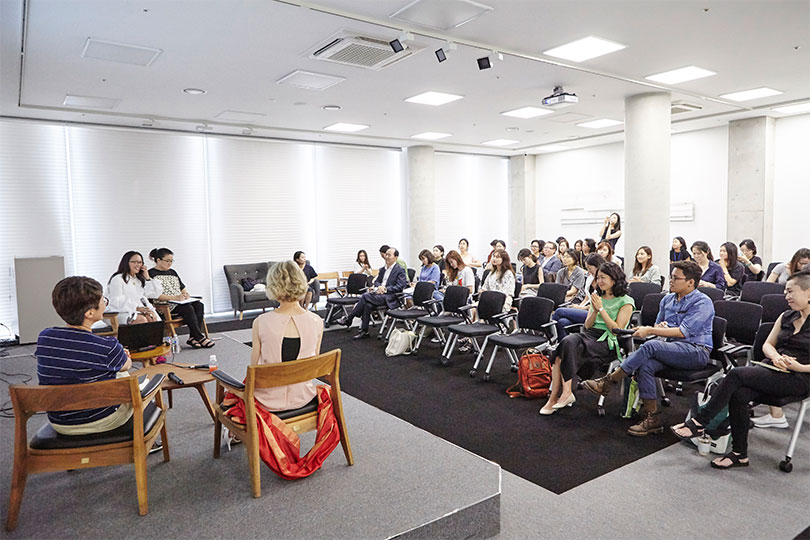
718,429
401,342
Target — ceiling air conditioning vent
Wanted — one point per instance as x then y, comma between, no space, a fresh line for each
352,49
679,107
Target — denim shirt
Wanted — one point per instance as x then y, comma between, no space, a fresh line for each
693,314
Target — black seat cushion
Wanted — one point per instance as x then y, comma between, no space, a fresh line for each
312,406
48,439
407,313
343,300
517,341
473,330
440,320
687,375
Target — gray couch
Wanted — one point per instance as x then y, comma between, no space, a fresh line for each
242,300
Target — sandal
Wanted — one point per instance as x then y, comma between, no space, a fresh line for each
207,343
694,430
735,459
194,344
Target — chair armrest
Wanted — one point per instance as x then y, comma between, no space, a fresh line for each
732,349
505,315
565,304
152,387
624,331
574,328
430,302
549,324
227,381
466,307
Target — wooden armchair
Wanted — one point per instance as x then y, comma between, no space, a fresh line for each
172,320
49,451
326,365
111,318
324,278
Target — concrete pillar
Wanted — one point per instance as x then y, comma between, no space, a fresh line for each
750,183
522,203
420,198
646,177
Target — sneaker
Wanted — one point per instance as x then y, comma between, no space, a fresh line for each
767,421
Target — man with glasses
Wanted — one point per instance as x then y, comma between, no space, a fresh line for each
684,322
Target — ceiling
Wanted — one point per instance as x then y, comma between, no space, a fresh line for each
236,51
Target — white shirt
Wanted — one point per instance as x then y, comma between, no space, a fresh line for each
126,297
388,270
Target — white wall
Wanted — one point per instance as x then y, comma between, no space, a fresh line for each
791,197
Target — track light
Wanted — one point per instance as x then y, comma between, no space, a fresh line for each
203,128
401,43
444,52
486,62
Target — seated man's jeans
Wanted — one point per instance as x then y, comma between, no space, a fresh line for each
566,317
368,302
656,355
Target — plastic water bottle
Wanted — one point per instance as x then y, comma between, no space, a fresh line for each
175,345
212,363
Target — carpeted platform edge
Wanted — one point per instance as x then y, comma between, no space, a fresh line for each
479,520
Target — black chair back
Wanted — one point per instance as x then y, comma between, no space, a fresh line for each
753,291
534,312
490,304
423,292
639,290
773,305
455,296
649,308
553,291
719,327
770,268
355,283
743,319
715,294
763,332
518,287
411,274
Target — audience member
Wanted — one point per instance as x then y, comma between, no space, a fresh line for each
611,230
384,249
679,251
605,249
733,271
313,293
363,265
712,272
588,246
130,288
537,248
782,271
531,279
496,245
75,355
390,280
469,258
685,318
550,264
501,278
644,271
459,273
786,350
611,308
562,246
577,313
438,256
752,263
572,276
192,311
429,272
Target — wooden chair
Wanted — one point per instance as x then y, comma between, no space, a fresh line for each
173,322
326,365
48,451
111,318
324,278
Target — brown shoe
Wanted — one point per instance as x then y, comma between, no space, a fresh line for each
650,423
601,386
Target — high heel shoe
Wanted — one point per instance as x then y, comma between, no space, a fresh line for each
567,403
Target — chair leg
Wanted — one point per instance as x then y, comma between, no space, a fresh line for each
207,401
205,329
254,462
797,429
480,353
241,314
491,360
17,489
171,401
217,436
140,478
337,405
421,336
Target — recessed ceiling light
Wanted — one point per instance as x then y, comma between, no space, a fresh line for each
500,142
194,91
601,123
431,135
585,49
512,129
747,95
90,102
239,116
331,107
345,127
689,73
433,98
794,109
527,112
551,148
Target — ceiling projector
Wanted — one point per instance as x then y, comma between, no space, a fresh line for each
560,98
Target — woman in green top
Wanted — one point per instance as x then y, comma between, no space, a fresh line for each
610,308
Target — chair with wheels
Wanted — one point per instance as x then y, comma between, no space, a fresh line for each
715,294
326,366
490,305
49,451
743,319
411,274
773,305
422,294
753,291
455,298
554,292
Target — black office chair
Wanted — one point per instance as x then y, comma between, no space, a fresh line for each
752,291
773,305
534,330
489,306
554,292
422,293
455,297
647,312
715,294
352,291
743,320
411,274
638,291
770,268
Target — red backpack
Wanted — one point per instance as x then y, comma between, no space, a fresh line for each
534,376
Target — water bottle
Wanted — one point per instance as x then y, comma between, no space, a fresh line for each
212,363
175,345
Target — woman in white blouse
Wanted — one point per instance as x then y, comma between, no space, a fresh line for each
459,273
469,258
129,290
644,271
501,278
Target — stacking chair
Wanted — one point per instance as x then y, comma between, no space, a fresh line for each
172,320
715,294
411,274
351,295
111,327
554,292
455,298
534,330
326,366
490,305
773,305
753,291
638,291
422,293
49,451
743,322
770,268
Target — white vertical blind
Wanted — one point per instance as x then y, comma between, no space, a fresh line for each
471,201
359,205
139,190
34,209
262,204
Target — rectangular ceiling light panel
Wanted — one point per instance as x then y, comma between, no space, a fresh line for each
601,123
794,109
123,53
90,102
433,98
345,127
431,136
527,112
584,49
747,95
310,80
551,148
239,116
500,142
689,73
441,14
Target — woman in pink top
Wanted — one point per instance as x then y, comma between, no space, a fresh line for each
287,333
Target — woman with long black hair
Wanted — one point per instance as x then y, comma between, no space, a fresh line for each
129,290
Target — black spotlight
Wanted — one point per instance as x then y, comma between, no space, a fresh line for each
396,45
441,56
485,62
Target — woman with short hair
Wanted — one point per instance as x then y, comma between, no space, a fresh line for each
438,257
712,272
748,258
537,248
530,273
572,276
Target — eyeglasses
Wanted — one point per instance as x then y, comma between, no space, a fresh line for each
675,278
135,262
106,301
167,261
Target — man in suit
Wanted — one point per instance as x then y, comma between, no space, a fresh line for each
390,281
550,263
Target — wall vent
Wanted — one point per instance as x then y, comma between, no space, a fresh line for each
681,106
352,49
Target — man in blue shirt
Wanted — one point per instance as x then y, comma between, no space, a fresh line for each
684,320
